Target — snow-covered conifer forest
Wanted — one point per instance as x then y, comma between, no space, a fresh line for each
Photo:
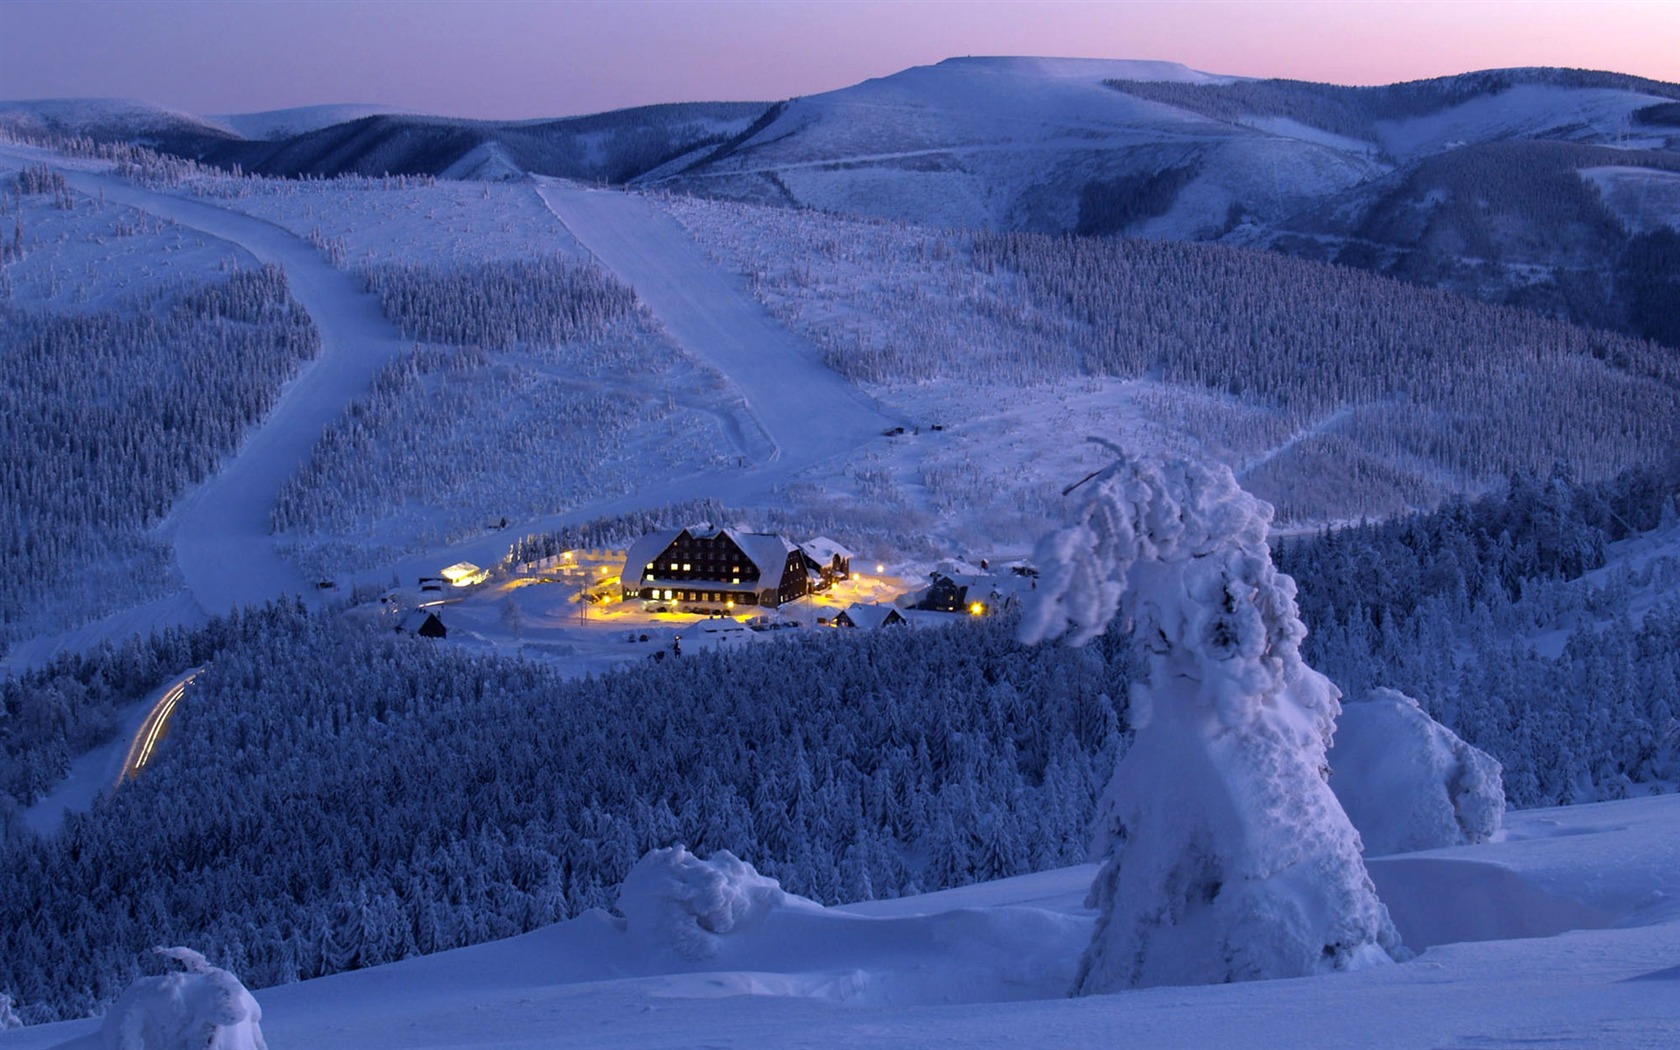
1393,379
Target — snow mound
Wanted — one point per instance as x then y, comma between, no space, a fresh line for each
1450,900
675,898
203,1008
1408,782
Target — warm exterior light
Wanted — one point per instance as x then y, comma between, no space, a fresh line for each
879,569
464,574
976,609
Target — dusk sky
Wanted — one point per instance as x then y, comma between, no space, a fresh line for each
511,59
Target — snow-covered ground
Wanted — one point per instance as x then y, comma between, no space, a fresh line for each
369,221
806,412
999,141
271,124
1643,199
1565,932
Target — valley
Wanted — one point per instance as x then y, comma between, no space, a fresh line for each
356,420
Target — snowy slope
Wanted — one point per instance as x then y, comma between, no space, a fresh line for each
1595,115
220,530
1564,933
716,320
274,124
106,119
1011,142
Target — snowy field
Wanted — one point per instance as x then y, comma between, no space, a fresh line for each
1563,932
363,221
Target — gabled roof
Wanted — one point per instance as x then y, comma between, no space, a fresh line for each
869,617
644,551
767,552
414,621
825,550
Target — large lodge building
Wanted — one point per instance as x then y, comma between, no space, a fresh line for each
708,570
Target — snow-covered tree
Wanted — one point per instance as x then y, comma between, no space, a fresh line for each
1408,782
674,899
1228,857
205,1006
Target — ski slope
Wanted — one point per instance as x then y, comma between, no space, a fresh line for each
805,410
220,529
1580,946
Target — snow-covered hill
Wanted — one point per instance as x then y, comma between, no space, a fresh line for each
920,393
1480,182
1468,182
272,124
1565,932
1019,143
107,120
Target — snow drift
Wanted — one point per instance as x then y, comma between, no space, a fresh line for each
1408,782
201,1008
676,899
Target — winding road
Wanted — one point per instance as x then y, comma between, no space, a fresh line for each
155,727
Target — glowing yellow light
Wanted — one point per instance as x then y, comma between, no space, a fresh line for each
976,609
464,574
879,569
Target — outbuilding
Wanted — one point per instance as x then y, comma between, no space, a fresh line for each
423,622
870,617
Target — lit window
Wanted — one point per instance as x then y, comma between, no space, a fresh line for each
687,566
673,566
735,579
667,595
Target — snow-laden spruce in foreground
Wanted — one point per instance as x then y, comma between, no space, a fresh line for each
203,1008
1228,857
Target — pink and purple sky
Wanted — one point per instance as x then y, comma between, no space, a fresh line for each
530,58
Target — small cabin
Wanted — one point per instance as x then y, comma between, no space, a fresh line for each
946,594
464,574
870,617
424,623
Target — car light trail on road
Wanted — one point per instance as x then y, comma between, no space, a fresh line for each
154,727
